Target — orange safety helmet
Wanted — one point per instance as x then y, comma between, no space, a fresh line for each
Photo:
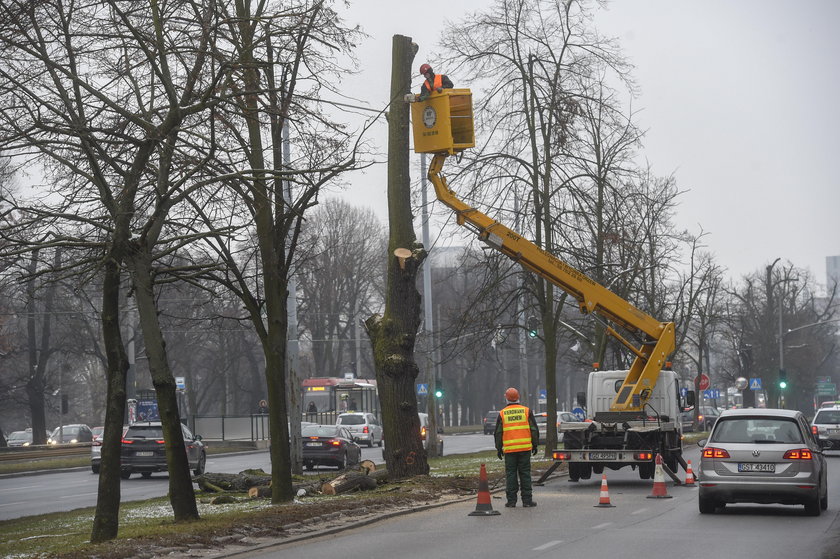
425,68
512,395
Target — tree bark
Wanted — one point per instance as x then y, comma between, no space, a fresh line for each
181,494
393,335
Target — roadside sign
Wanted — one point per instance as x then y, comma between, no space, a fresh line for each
683,391
703,381
755,383
180,384
543,397
423,389
711,394
579,413
824,389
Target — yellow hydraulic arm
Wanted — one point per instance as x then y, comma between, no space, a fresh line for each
659,337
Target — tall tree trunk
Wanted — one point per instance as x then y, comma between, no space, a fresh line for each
38,356
181,493
393,335
106,518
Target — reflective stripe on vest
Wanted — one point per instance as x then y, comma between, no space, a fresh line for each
438,83
516,432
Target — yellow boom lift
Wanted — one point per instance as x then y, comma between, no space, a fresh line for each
443,125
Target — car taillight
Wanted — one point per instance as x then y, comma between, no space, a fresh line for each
126,441
643,456
561,455
712,452
96,443
700,417
365,430
815,430
422,431
335,442
798,454
160,442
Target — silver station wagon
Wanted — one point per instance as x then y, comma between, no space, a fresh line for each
762,456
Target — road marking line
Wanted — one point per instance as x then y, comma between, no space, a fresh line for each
18,487
604,525
545,546
640,511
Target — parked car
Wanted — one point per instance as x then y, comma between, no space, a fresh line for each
69,434
706,418
826,427
96,448
143,450
762,455
330,445
364,427
490,422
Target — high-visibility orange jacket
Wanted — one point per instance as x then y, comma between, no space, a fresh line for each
519,431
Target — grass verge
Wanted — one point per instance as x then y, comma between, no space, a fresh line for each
148,525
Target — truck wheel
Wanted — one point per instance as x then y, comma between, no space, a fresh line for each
599,469
585,471
574,474
646,470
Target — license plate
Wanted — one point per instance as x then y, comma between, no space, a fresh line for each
833,431
312,444
602,455
144,453
752,467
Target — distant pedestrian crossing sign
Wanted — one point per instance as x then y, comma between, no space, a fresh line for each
423,389
755,383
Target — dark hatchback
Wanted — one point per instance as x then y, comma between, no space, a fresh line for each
329,445
490,422
144,450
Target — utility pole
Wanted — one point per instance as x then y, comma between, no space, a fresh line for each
432,377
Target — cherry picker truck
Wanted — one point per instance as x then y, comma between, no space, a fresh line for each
632,415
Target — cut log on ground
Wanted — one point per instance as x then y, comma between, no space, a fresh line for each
215,483
349,482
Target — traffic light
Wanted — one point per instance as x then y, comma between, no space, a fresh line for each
65,404
782,379
533,327
438,390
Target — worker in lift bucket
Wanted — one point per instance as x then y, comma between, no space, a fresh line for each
516,439
434,82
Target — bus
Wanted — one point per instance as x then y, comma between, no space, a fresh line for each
325,397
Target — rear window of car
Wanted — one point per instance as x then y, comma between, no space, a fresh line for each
351,420
319,431
756,430
144,433
541,419
827,416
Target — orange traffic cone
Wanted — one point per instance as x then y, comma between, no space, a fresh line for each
689,475
483,507
659,491
604,499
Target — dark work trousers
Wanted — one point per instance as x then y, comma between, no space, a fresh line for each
518,474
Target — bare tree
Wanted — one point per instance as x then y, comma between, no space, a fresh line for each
394,333
340,279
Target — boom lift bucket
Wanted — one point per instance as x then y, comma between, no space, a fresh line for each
443,123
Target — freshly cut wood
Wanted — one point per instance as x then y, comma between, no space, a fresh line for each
260,492
349,482
368,466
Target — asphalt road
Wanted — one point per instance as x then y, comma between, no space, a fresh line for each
67,490
567,523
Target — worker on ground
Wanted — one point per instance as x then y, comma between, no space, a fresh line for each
434,82
516,437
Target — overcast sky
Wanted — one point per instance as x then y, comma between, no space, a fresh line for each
740,100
